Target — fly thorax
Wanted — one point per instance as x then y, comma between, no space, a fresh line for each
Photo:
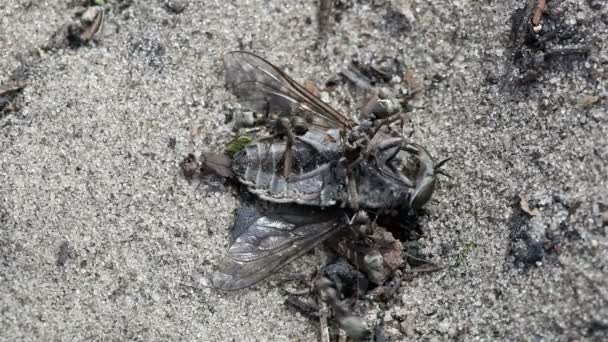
378,190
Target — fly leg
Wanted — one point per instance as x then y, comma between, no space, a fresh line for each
288,154
395,123
390,119
324,150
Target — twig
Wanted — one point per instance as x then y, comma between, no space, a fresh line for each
420,260
427,268
567,51
323,322
306,309
323,17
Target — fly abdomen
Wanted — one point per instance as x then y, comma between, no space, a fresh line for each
260,166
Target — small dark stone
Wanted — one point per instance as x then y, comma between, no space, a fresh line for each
189,165
172,142
176,6
64,253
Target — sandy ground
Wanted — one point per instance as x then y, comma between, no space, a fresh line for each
102,238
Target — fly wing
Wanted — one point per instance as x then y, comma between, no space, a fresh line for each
268,90
269,243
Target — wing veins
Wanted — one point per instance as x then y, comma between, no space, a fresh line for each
251,65
238,272
282,94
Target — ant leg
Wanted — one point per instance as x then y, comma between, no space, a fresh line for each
353,325
323,313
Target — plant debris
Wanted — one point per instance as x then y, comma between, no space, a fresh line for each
236,145
82,30
8,92
589,101
538,41
312,87
525,206
537,15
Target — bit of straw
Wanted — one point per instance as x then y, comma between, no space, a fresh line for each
537,15
11,88
323,322
525,206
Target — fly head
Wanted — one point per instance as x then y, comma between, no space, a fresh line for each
395,174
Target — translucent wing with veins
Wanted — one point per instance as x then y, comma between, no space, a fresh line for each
264,88
270,242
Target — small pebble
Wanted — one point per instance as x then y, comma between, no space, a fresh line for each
407,326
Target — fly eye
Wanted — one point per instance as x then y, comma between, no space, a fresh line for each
423,193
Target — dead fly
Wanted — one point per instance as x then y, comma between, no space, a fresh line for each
321,174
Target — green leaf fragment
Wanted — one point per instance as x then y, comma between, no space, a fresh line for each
99,2
236,145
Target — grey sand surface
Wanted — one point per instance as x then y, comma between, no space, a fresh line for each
102,238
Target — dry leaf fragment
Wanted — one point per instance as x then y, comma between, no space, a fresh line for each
218,163
588,101
312,87
537,16
11,88
11,107
92,20
410,81
87,23
525,206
